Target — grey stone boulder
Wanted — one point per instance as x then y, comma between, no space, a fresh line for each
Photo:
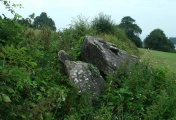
83,75
104,55
64,56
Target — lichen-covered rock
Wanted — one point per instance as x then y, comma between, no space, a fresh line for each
83,75
64,56
104,55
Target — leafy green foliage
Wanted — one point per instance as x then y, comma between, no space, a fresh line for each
157,40
81,27
44,21
71,39
31,85
25,22
94,70
10,31
103,24
141,93
10,7
131,29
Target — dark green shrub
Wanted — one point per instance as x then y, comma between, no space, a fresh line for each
103,24
70,39
10,31
141,93
31,85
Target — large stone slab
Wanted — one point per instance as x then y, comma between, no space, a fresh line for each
83,75
104,55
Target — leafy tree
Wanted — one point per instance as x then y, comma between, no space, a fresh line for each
103,24
44,20
10,7
157,40
10,31
24,21
131,29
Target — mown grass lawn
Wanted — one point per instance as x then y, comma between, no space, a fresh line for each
159,59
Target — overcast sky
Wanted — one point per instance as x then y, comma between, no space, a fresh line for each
149,14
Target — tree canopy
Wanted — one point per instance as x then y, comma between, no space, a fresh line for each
44,20
131,29
157,40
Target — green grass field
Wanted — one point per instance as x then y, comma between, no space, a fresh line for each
159,59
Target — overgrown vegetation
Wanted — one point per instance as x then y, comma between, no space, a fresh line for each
33,87
141,93
103,24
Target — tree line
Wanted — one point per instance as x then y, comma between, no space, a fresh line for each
43,20
156,40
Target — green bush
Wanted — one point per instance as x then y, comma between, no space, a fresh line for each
103,24
137,93
10,31
71,39
141,93
31,85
